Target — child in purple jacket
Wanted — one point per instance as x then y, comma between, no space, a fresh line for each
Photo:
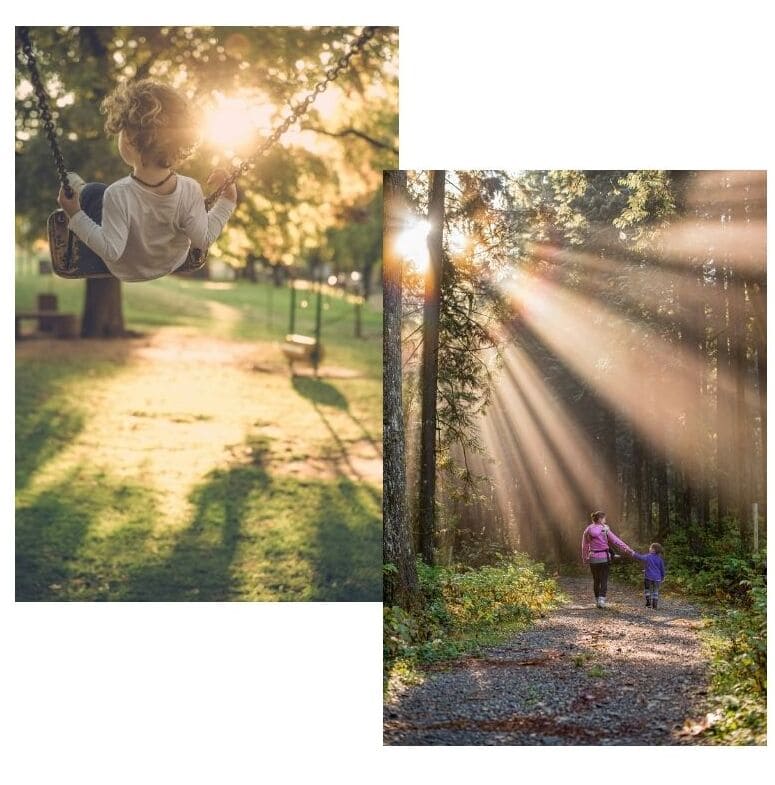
653,574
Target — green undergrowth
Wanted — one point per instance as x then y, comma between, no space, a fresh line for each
463,609
730,584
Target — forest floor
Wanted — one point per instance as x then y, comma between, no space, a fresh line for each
623,675
188,464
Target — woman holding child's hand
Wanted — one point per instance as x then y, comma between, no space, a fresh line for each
596,543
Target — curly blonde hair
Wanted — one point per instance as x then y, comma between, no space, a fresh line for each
158,121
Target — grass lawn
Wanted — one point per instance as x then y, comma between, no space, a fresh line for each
188,464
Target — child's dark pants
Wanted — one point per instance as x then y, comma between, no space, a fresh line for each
651,589
90,197
600,578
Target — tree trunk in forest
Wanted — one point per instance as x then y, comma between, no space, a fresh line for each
743,419
102,313
429,377
663,497
701,495
760,345
637,483
724,419
400,578
611,459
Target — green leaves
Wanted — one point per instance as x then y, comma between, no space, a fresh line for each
462,607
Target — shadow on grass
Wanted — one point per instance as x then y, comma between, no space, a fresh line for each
56,556
319,392
251,537
200,565
347,547
259,538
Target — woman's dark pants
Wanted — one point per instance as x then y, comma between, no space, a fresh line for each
600,578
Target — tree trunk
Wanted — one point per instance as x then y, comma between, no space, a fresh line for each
250,268
742,449
724,419
760,343
429,378
102,312
637,483
366,273
663,496
400,578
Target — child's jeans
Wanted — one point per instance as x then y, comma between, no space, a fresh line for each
91,203
651,589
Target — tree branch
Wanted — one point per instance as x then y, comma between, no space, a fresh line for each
378,143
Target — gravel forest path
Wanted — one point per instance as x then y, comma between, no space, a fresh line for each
622,675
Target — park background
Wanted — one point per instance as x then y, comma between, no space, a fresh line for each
169,454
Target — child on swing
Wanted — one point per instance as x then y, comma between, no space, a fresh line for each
143,225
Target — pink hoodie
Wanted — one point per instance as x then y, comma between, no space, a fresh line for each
596,539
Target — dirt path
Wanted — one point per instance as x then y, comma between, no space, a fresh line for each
623,675
183,403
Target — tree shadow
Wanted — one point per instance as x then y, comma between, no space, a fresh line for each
54,528
48,534
200,565
251,536
348,544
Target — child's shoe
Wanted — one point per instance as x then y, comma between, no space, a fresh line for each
648,602
76,181
654,603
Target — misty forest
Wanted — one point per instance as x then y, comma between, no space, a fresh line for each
563,342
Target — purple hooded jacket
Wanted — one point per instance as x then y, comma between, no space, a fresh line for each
655,567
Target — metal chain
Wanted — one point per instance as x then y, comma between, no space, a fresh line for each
45,111
299,111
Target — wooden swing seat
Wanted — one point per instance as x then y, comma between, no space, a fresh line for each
67,261
302,348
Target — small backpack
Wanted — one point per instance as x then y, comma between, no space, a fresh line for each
613,556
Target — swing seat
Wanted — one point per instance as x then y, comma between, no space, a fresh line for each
68,262
302,348
65,249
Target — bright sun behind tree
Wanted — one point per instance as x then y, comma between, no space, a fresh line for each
412,243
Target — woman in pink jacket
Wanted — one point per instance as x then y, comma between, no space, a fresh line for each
595,544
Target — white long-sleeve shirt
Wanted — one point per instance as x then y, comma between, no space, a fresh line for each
145,235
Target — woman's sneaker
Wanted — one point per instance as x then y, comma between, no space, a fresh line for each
601,601
76,181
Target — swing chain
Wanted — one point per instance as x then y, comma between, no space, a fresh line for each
45,111
298,111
